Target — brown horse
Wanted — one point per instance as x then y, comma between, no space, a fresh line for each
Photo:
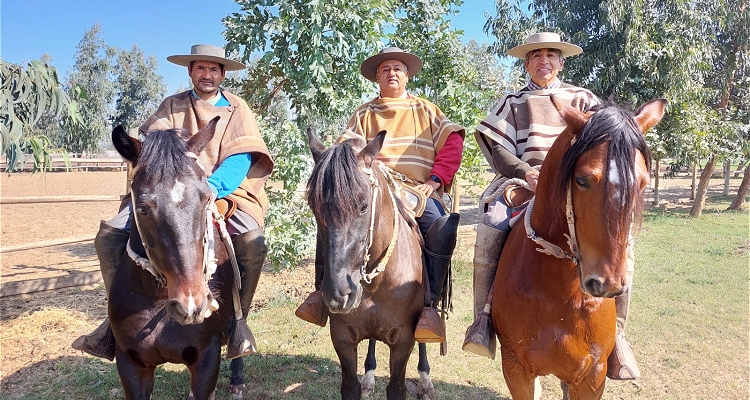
557,315
170,302
373,275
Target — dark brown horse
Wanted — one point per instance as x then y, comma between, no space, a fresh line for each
167,304
372,282
557,315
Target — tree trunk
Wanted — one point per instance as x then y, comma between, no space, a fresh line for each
692,182
742,192
656,182
700,198
727,171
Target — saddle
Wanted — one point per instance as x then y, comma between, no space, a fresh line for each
226,207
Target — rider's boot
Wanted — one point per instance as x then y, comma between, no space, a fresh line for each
439,243
110,245
250,249
480,336
621,364
314,309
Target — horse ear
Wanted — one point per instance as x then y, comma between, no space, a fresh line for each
650,114
201,139
128,147
316,146
572,116
368,154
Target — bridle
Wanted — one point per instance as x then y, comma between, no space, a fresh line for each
374,190
548,247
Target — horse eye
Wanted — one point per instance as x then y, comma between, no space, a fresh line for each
141,210
582,183
363,208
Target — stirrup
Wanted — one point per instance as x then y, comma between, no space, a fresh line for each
99,343
430,328
313,309
241,340
480,337
621,364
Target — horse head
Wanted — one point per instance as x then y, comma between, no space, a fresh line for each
341,196
170,198
599,167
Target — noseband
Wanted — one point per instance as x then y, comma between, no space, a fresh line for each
374,189
549,248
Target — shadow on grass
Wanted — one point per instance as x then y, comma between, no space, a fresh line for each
267,376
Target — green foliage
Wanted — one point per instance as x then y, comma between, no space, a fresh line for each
140,89
27,97
289,222
92,71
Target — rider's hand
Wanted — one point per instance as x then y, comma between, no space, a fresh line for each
428,187
532,177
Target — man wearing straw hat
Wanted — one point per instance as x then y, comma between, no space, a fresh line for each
238,164
515,138
426,148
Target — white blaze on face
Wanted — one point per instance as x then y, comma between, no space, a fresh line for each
614,176
191,304
177,192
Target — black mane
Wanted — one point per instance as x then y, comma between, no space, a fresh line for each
163,156
337,187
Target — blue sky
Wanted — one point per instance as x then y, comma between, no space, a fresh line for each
31,28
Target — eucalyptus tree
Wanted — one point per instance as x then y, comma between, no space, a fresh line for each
29,95
139,88
93,72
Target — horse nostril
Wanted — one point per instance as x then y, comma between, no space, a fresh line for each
593,286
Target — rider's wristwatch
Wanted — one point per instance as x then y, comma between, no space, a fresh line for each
434,178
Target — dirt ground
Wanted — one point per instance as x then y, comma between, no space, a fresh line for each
29,223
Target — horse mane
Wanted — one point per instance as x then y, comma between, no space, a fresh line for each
336,188
163,156
618,126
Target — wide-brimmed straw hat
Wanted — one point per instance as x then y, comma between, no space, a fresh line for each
544,40
369,67
206,52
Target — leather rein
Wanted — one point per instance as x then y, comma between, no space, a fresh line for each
374,190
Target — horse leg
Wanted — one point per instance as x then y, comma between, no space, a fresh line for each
400,351
347,352
521,384
589,388
368,379
205,373
137,380
426,390
237,380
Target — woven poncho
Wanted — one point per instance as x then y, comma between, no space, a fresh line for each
417,131
527,123
236,132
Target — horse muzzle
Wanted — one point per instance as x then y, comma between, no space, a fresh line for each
598,286
343,303
188,311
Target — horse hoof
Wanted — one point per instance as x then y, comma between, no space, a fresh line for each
237,391
426,389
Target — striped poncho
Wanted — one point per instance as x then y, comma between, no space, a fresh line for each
417,131
236,133
526,123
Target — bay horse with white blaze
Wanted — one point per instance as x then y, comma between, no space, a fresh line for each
372,259
553,310
172,297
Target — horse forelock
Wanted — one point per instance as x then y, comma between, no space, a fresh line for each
337,185
617,127
163,157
